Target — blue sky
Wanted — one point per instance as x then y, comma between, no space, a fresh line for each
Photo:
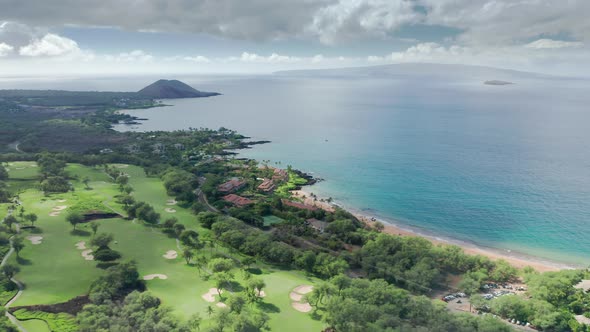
261,36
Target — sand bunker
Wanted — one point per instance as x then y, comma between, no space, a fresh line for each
171,202
260,294
87,254
62,200
295,297
35,239
210,295
60,208
154,276
19,168
221,305
170,210
171,254
304,289
81,245
54,214
121,166
301,307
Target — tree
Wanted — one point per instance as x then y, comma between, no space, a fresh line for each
86,181
17,244
207,219
254,288
170,222
210,311
469,285
190,239
220,265
9,221
503,271
75,218
3,173
9,270
178,230
31,217
188,255
236,303
102,240
194,322
221,280
248,261
94,226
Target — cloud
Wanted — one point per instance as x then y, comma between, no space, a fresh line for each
133,56
50,45
510,22
255,58
5,49
553,44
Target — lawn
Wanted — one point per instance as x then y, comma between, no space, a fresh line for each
54,271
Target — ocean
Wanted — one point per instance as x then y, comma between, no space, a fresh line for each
504,167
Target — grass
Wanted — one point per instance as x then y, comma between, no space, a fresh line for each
61,322
55,271
271,220
294,181
35,325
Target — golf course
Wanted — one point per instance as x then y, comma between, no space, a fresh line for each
56,263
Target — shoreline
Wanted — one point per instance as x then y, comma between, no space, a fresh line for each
516,259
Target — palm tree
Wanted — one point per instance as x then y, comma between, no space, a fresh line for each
210,310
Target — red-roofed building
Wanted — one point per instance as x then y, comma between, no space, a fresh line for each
231,185
299,205
280,174
267,185
237,200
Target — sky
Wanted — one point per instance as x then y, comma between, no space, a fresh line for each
108,37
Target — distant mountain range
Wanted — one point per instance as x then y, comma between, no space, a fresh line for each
422,71
169,89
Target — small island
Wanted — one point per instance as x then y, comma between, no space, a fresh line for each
497,82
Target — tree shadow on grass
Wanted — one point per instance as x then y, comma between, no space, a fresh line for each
36,230
254,270
80,232
235,286
105,265
23,261
268,307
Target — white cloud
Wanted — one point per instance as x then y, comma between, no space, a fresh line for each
50,45
350,19
133,56
198,59
273,58
5,49
553,44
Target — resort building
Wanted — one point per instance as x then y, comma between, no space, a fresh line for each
280,174
299,205
237,200
231,185
267,185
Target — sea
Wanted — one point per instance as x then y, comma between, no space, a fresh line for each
503,167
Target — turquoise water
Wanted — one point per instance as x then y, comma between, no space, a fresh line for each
500,166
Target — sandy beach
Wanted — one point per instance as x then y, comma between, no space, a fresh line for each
516,260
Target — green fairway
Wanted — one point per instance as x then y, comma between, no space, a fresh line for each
35,325
54,271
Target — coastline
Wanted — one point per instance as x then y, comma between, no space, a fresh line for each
517,260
